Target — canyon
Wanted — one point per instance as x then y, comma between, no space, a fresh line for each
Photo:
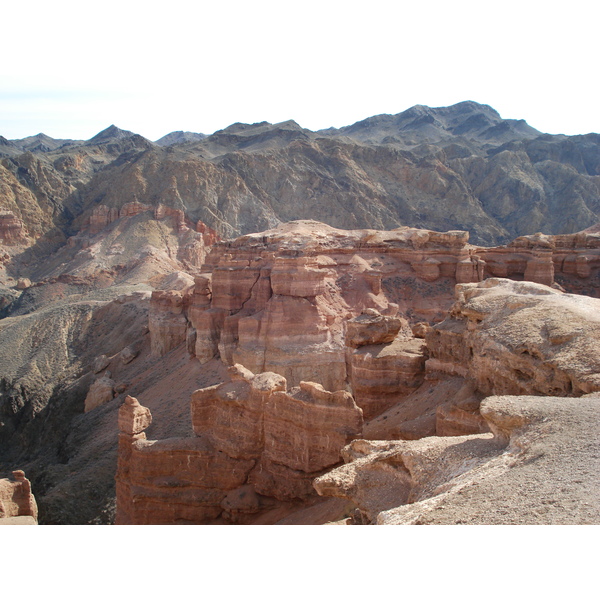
306,306
181,341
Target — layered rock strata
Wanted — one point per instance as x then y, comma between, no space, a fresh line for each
501,337
284,300
12,230
264,296
508,337
167,322
571,260
385,361
102,215
254,439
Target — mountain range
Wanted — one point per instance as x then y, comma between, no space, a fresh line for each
458,167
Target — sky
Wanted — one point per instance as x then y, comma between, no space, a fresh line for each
70,71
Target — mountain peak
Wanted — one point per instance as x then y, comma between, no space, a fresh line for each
468,106
179,137
110,134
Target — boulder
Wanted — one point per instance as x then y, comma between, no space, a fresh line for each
100,392
17,503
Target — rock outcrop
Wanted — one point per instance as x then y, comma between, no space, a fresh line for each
305,286
281,301
12,230
17,504
385,361
167,323
519,338
573,260
100,392
254,440
540,466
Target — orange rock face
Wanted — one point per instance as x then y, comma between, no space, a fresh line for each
295,287
571,260
360,311
278,301
385,361
251,434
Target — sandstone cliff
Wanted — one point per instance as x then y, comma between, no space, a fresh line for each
501,337
307,286
257,446
109,287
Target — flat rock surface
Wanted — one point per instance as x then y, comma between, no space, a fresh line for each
18,521
549,473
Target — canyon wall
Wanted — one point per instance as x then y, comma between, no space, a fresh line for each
360,312
288,300
353,310
256,444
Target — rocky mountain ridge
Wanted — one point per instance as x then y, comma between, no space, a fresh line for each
459,167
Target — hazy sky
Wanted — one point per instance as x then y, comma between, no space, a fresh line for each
71,71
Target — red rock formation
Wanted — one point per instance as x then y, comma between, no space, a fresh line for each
251,434
12,230
264,296
304,430
130,209
373,328
16,499
385,362
169,481
192,247
381,375
210,236
572,260
295,286
101,217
